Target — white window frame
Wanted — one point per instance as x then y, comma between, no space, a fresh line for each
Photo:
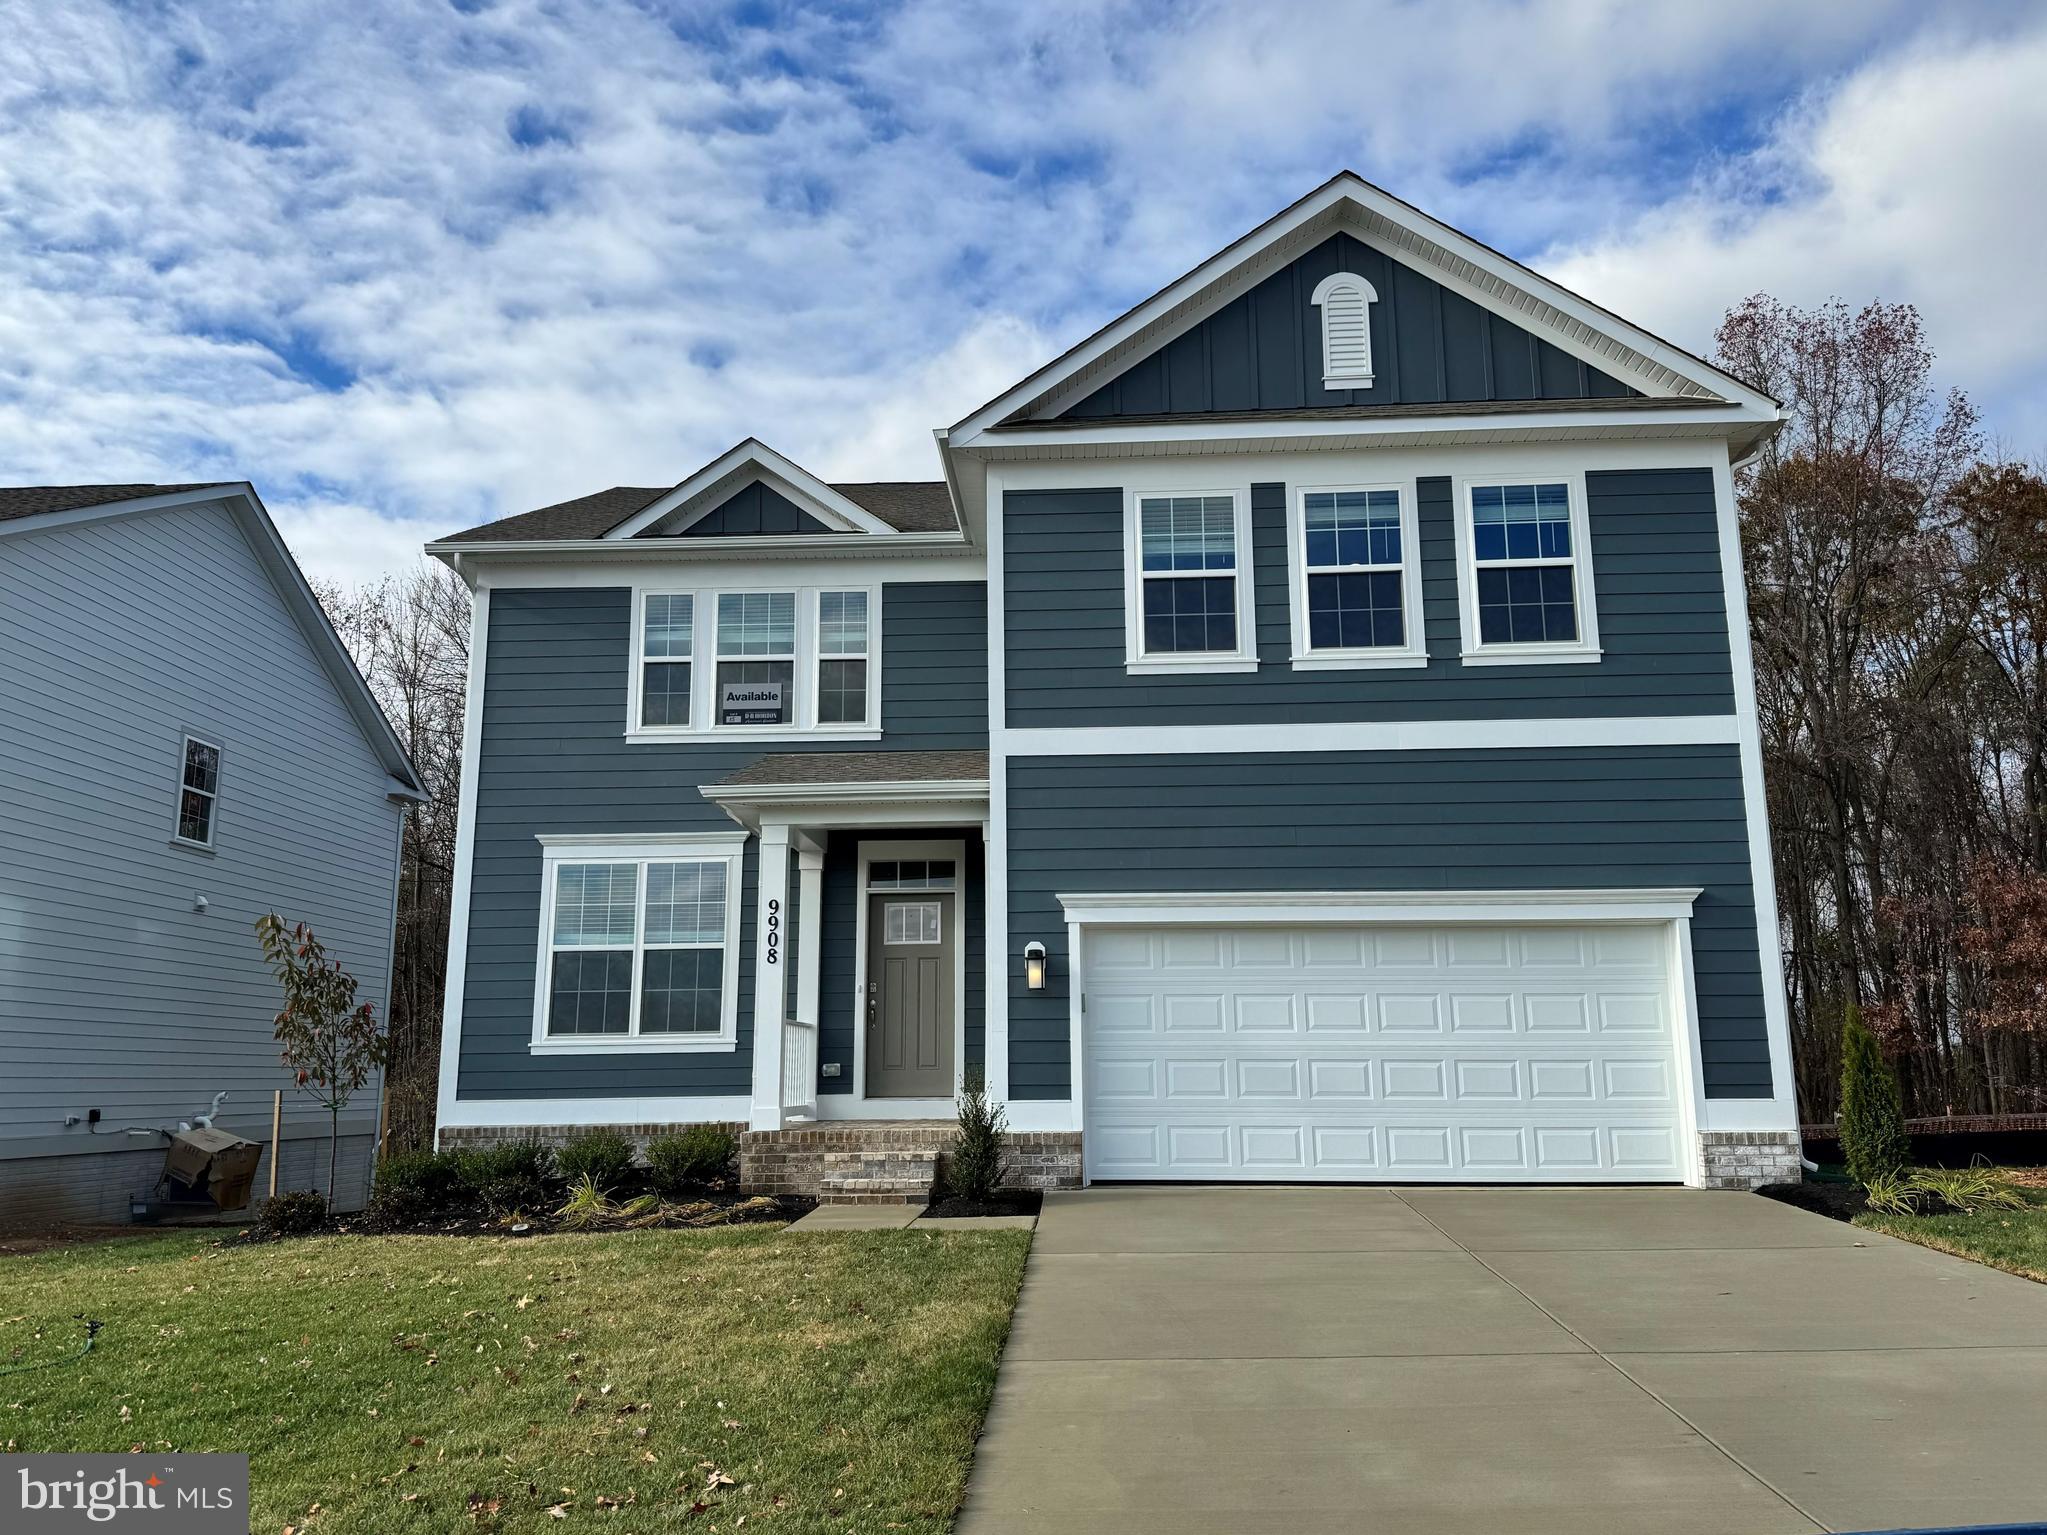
1357,378
1415,650
1584,589
818,656
703,676
178,838
641,849
1136,661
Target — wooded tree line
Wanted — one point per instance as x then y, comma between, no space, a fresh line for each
1897,586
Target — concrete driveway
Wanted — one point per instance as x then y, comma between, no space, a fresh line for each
1496,1361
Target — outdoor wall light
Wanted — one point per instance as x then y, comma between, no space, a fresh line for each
1034,965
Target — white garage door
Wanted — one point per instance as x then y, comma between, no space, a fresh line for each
1472,1053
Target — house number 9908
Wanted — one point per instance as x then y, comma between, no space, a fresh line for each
774,932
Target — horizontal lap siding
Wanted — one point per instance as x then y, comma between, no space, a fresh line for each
1660,605
555,760
1490,820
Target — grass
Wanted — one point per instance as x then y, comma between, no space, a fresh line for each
2012,1240
639,1381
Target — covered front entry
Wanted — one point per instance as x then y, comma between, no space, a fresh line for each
1492,1050
911,1010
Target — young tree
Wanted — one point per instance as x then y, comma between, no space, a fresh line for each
1872,1124
332,1043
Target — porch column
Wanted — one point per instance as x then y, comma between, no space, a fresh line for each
809,930
770,993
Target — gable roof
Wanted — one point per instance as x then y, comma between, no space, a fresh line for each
1644,361
30,509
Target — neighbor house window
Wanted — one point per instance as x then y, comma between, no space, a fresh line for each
1356,589
667,635
1346,300
731,663
638,948
842,658
1189,602
1529,576
198,792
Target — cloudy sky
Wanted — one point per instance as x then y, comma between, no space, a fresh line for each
409,266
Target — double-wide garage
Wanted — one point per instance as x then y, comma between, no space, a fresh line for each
1482,1051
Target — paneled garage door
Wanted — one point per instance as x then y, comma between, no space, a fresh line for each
1473,1053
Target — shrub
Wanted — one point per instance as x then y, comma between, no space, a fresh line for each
1891,1194
416,1184
604,1156
1967,1189
974,1170
512,1176
701,1154
293,1214
1872,1128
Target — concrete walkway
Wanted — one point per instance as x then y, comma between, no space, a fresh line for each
1200,1361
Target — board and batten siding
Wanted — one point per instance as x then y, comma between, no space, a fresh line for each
1656,566
1500,819
119,638
555,760
1263,350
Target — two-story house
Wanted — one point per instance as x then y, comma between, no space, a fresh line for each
1306,733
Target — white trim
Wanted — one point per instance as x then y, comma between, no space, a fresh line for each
810,931
739,466
1137,661
1689,1072
1755,803
532,1113
1584,586
1351,378
1383,735
995,819
1295,908
1414,649
840,1106
178,838
596,562
885,851
640,850
457,973
770,976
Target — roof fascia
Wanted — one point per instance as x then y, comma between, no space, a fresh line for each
753,459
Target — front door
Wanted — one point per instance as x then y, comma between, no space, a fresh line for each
909,995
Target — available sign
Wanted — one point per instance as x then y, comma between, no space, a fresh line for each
159,1494
750,703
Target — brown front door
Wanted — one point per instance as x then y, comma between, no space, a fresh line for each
909,995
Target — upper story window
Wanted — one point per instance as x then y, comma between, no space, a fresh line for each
760,662
639,946
1525,589
1357,577
198,792
1346,300
1188,596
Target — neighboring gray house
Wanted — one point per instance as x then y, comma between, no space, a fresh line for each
1307,733
184,746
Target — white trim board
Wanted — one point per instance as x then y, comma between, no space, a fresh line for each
737,467
465,863
1356,736
1296,908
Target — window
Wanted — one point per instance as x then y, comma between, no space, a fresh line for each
1528,575
1357,584
842,658
773,663
639,947
920,874
198,792
1191,582
905,922
1346,300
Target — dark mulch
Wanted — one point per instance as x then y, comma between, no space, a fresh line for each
695,1211
1839,1201
1005,1202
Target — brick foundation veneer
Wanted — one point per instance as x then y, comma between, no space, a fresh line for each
1748,1159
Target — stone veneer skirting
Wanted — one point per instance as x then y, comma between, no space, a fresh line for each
1748,1159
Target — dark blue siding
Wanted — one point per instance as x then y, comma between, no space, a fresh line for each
1483,820
1263,350
555,760
1662,620
754,509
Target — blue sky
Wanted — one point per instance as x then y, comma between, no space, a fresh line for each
412,265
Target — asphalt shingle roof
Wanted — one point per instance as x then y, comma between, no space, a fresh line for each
908,506
34,500
861,767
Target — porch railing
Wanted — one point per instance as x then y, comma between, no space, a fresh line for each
799,1069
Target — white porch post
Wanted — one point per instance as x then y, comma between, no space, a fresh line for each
810,931
770,993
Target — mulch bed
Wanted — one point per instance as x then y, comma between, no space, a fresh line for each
1005,1202
693,1212
1837,1201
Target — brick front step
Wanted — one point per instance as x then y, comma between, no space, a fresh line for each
889,1160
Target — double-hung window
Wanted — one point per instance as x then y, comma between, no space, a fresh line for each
639,946
1190,583
1357,580
668,637
198,792
842,658
746,663
1526,592
756,659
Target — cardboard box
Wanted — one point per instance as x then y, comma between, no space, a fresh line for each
221,1165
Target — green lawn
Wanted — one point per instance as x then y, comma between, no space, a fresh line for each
643,1381
2013,1240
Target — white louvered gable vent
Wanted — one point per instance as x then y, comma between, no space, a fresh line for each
1346,300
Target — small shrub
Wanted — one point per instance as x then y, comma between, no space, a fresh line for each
415,1185
587,1205
974,1169
701,1154
1872,1125
512,1176
1890,1194
293,1214
604,1156
1968,1189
